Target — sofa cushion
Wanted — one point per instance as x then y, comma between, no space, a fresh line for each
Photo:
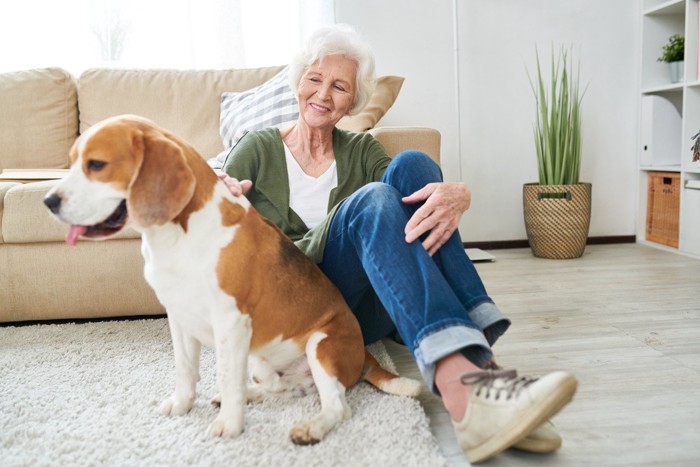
272,104
38,118
186,102
382,99
25,219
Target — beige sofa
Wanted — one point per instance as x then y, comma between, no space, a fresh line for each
42,112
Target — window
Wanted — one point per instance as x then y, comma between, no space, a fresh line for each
80,34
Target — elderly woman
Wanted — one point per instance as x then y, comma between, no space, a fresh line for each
385,232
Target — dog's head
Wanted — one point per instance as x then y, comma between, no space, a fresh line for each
121,168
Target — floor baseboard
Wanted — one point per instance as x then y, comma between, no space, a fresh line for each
504,244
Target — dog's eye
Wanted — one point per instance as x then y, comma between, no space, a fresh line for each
95,165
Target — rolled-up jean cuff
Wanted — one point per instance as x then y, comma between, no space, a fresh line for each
490,320
432,348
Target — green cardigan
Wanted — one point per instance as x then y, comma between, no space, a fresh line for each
259,157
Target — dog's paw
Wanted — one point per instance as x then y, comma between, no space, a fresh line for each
254,393
173,408
225,428
303,434
216,401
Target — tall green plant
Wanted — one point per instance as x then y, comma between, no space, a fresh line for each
558,122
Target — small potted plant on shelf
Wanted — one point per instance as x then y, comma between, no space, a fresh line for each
673,54
557,210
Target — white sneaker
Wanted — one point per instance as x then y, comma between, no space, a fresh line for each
543,439
504,408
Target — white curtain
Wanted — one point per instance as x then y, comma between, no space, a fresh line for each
184,34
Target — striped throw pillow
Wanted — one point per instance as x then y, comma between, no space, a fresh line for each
272,104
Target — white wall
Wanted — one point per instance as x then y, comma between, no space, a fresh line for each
414,39
466,62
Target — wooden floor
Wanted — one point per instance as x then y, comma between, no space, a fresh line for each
625,319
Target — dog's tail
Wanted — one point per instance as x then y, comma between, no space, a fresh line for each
388,382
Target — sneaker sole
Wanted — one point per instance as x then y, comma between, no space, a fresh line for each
540,446
534,418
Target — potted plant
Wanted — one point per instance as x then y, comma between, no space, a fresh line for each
673,54
557,210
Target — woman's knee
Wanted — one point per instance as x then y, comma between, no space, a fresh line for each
414,157
371,214
376,204
412,167
375,198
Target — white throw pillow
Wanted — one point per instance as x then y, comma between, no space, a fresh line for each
272,104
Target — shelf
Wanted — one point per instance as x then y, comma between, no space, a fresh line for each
657,245
664,144
674,87
661,168
672,7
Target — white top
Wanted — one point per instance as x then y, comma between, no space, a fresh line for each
308,196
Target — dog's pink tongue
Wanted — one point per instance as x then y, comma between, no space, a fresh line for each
74,232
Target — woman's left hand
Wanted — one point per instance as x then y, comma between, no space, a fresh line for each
444,205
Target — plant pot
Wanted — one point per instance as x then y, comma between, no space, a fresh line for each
676,71
557,218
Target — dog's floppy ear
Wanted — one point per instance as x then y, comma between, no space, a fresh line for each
163,184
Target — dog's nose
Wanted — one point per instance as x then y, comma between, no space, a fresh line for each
53,202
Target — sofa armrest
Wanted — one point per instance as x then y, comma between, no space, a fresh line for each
397,139
25,219
4,188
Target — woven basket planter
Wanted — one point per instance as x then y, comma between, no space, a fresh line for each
557,218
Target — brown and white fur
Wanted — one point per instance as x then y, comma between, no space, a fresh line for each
227,277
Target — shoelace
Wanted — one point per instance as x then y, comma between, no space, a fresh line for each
496,382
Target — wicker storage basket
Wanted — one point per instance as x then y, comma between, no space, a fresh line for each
557,225
663,208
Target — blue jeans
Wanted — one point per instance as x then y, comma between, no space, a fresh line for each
437,304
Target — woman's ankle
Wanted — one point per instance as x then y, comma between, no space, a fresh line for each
455,395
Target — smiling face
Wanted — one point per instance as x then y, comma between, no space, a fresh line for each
327,90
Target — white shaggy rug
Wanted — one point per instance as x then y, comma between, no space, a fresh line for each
87,394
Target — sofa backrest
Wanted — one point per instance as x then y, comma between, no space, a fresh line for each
186,102
38,118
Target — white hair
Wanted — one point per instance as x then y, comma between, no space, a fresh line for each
339,39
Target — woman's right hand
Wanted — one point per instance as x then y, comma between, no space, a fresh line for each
236,187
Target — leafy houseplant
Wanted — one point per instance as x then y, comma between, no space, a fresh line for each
673,54
674,50
557,210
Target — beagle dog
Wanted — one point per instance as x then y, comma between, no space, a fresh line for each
228,278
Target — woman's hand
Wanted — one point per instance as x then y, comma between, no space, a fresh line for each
444,205
236,187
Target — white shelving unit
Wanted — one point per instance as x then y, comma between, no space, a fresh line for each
660,20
